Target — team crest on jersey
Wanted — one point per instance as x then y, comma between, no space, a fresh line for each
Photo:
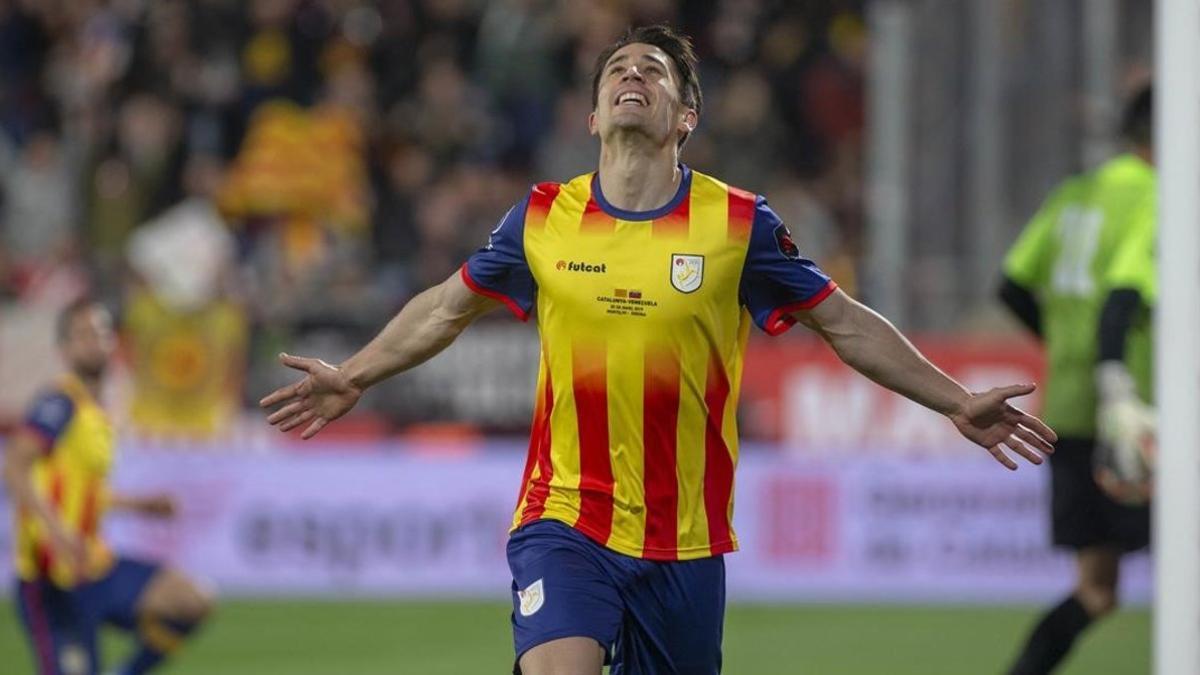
687,272
532,598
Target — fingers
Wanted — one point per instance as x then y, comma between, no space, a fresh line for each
1023,450
1015,390
280,395
1003,458
1035,425
317,425
1121,491
287,411
1032,439
298,362
297,420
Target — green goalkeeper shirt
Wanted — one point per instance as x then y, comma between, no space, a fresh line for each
1094,233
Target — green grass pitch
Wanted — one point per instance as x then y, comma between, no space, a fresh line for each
458,638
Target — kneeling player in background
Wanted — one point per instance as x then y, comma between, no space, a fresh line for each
69,582
1079,278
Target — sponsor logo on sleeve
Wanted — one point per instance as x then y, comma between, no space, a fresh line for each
783,240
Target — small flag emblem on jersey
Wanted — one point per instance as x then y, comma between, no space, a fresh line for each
532,598
636,295
687,272
621,293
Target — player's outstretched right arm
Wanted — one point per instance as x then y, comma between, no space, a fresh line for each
424,327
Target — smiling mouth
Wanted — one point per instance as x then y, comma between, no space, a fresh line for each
633,99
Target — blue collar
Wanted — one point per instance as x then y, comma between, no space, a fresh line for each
685,184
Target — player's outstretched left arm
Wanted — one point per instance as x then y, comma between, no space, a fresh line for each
425,326
152,506
870,344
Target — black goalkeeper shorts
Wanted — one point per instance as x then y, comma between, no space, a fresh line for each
1082,515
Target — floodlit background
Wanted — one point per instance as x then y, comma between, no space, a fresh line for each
240,178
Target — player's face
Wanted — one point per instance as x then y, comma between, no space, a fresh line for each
639,93
89,342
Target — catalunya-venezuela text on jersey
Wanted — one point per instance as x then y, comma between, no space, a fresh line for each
71,475
643,319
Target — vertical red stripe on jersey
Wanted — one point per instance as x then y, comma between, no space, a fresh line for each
541,198
718,465
675,224
741,213
590,375
88,518
43,559
531,455
56,489
659,427
45,554
539,451
595,220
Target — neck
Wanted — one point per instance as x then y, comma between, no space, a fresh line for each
638,177
91,383
1145,152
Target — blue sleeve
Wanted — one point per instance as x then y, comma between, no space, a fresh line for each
776,279
49,416
499,270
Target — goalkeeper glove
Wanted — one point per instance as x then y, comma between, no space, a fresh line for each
1127,440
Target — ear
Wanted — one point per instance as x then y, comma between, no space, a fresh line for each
593,129
687,124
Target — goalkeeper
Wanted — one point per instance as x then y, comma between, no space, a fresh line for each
1080,278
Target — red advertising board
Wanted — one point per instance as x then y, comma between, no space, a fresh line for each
796,391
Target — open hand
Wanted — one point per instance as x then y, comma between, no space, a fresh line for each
323,395
70,547
158,506
988,420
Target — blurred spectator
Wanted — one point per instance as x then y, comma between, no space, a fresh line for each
745,131
568,150
133,178
40,209
186,336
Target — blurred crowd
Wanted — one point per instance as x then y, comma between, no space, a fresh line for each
238,177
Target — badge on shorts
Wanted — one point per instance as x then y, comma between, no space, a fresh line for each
73,660
532,598
687,272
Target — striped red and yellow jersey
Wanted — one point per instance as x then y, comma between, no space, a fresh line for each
71,475
643,318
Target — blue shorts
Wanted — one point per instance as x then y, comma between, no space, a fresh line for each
651,618
62,624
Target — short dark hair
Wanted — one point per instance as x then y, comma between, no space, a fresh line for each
62,325
676,45
1137,122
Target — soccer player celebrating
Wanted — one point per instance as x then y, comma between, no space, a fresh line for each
69,581
645,277
1080,278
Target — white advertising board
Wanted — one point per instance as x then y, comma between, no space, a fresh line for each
393,524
